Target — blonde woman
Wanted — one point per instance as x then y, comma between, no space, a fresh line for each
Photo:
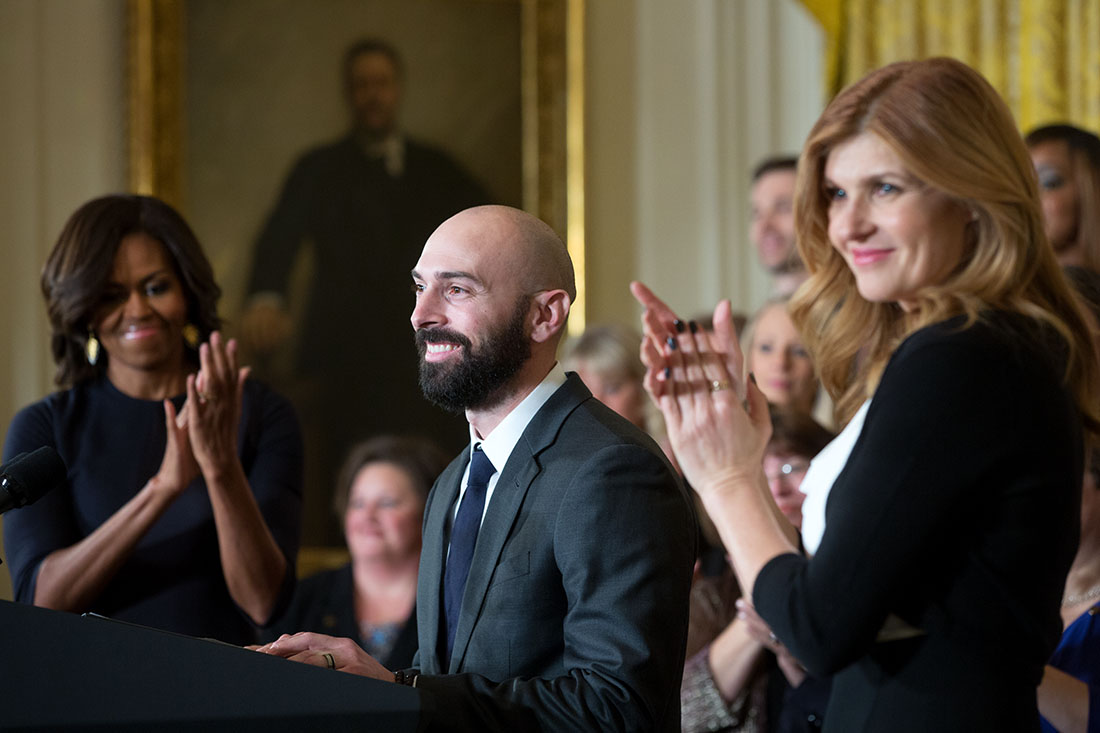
774,352
956,354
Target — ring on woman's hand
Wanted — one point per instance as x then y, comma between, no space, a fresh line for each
208,397
774,638
330,661
717,385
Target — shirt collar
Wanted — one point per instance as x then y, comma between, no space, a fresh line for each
391,151
498,445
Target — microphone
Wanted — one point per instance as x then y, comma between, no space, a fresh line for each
28,476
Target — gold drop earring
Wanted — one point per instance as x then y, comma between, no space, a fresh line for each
191,335
91,348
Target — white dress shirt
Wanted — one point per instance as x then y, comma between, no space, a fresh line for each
820,477
498,445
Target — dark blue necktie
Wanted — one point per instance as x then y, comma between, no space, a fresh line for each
463,539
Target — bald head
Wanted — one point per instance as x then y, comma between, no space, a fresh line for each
548,264
524,245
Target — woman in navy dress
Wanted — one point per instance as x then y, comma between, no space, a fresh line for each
182,505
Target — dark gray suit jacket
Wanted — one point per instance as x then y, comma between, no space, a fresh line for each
575,611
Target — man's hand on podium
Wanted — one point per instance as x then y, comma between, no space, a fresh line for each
326,651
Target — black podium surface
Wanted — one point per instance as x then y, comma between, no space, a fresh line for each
59,671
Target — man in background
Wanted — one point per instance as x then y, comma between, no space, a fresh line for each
772,223
364,205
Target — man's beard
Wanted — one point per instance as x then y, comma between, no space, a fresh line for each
477,379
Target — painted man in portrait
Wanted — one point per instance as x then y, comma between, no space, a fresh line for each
365,204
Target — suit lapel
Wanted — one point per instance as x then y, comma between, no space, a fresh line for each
429,589
515,481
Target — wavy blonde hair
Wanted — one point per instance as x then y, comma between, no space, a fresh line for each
954,133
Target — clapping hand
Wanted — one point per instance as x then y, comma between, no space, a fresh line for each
178,468
203,434
717,420
213,408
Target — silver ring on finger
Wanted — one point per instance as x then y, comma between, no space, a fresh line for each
717,385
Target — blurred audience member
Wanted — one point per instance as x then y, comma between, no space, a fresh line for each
775,354
772,223
606,359
1067,161
1069,695
380,499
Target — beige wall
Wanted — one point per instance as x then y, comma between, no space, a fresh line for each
61,142
683,98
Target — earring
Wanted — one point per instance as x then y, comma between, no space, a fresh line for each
91,348
191,335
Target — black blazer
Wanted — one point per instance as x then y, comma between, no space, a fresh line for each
575,611
957,512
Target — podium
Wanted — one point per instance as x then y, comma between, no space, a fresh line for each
59,671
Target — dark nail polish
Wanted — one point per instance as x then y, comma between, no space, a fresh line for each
752,378
667,372
671,341
679,325
693,326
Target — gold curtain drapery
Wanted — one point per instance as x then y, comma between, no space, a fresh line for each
1043,56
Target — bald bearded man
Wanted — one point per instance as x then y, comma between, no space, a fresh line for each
567,607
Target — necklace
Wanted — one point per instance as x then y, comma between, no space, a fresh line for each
1075,598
